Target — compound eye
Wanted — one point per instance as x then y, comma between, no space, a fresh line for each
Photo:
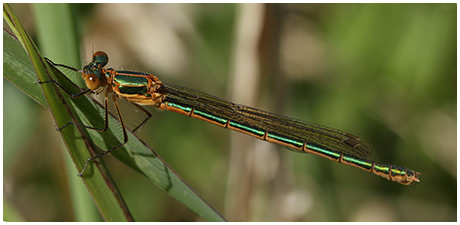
100,58
92,81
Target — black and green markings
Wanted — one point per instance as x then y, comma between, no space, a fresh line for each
390,172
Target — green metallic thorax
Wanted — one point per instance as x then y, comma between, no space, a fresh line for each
129,83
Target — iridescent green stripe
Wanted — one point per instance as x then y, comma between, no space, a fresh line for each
131,80
358,162
210,116
246,128
181,107
298,144
382,168
326,152
199,113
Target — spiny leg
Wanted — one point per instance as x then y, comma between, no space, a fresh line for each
106,120
76,96
125,135
149,115
61,65
66,91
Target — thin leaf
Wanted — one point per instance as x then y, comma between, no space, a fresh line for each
105,193
56,27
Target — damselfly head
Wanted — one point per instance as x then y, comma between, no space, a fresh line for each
92,73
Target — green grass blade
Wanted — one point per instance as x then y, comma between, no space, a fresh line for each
18,69
55,25
101,187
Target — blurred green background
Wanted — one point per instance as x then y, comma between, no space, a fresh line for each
384,72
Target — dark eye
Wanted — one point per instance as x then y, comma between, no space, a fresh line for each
92,81
100,58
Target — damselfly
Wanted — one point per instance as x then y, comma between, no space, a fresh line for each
296,135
